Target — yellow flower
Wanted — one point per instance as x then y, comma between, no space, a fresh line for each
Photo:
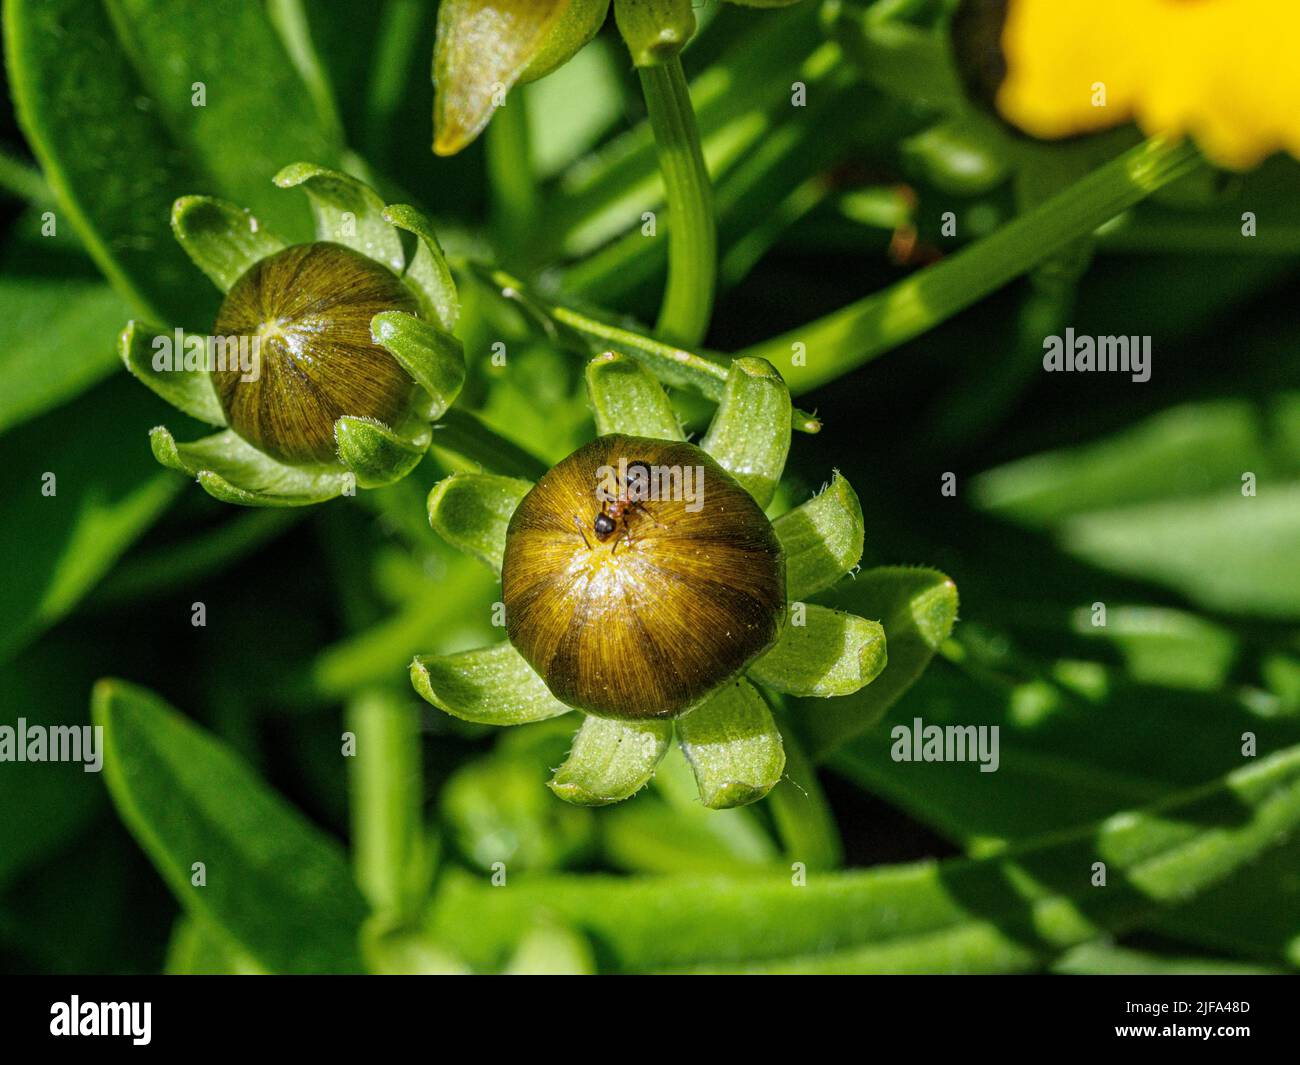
1219,70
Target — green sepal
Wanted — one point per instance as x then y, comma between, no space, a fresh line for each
831,653
822,539
429,275
334,196
484,47
733,745
232,470
918,608
433,357
189,391
750,434
654,30
611,760
377,455
472,510
627,399
490,686
221,239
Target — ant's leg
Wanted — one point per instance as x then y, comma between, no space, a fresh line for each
582,532
644,511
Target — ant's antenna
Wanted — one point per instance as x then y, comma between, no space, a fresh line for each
582,532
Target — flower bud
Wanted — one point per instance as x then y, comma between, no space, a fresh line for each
308,310
639,577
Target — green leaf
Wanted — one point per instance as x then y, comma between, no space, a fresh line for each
750,434
1106,959
189,391
471,511
1011,912
1229,552
46,685
196,949
733,746
626,399
491,686
55,341
221,239
250,125
433,357
376,454
77,500
278,888
1056,743
232,470
1146,462
428,274
347,211
53,51
917,608
611,760
832,653
822,539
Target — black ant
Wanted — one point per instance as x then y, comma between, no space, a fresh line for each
605,524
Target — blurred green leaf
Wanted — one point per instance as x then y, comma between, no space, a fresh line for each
1060,747
276,886
196,950
1011,912
1225,552
106,491
56,340
109,98
247,127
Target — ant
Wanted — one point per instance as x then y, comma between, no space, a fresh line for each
605,524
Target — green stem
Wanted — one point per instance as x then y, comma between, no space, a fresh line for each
692,237
390,855
803,818
515,200
671,365
468,436
856,334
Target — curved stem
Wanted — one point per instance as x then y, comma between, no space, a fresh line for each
692,235
846,339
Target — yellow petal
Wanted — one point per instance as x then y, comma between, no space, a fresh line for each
1209,68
